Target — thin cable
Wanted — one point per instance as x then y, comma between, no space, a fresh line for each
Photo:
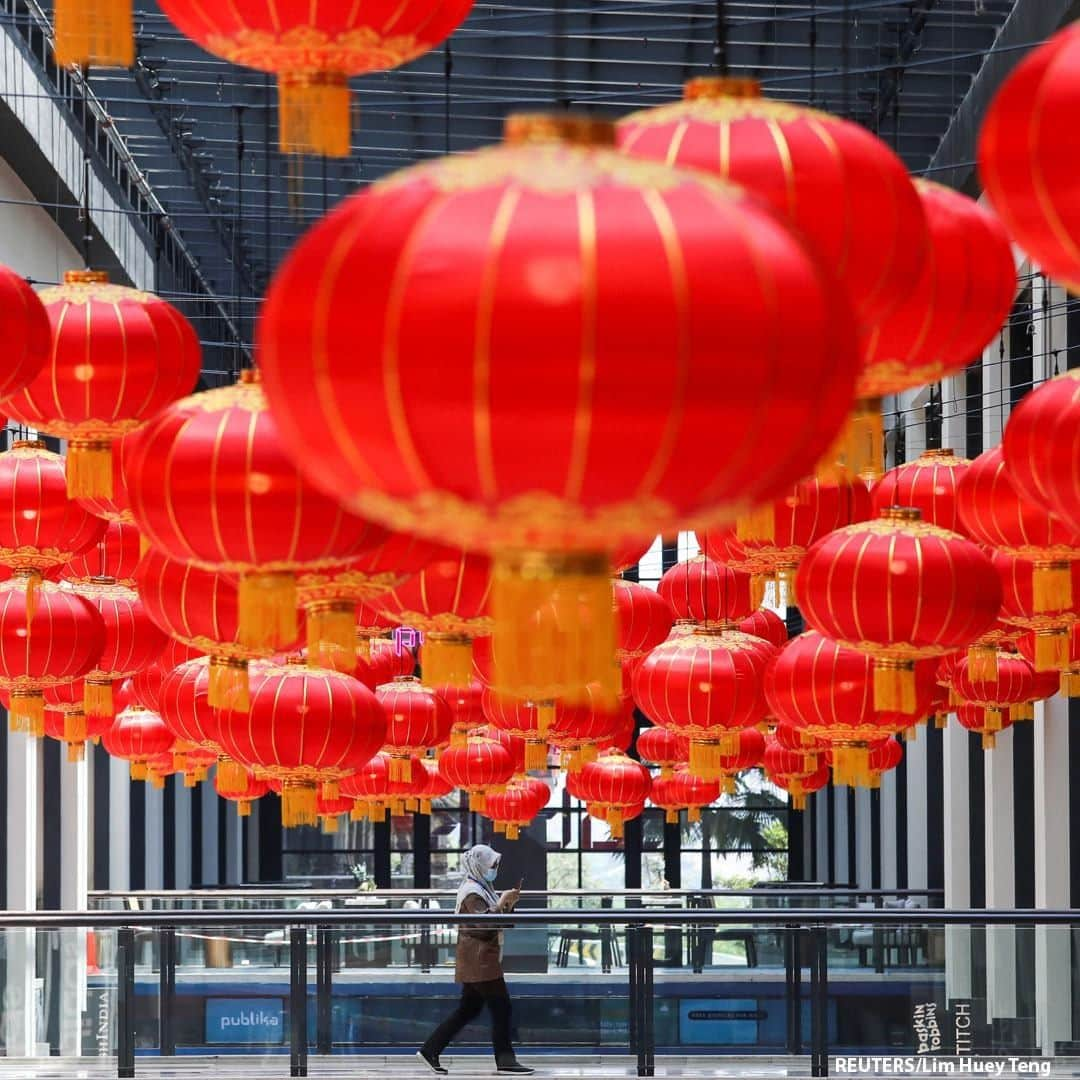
87,167
448,70
720,44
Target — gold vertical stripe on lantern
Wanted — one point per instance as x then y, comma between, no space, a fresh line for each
94,33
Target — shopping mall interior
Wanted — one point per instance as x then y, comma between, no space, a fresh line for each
550,509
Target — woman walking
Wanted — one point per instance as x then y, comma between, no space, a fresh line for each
479,966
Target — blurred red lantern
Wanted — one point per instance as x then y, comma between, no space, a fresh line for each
643,619
1069,681
118,357
375,789
552,485
133,641
708,593
329,811
658,746
962,297
435,787
898,589
145,685
1012,683
749,751
24,330
341,726
137,736
477,767
628,555
210,483
1028,175
976,719
1042,444
448,602
60,640
466,704
417,719
996,514
722,545
798,787
115,556
765,623
1018,609
200,608
614,784
780,760
247,791
694,793
621,737
514,808
929,483
706,687
578,730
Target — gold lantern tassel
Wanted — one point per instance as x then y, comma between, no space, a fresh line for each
89,464
397,807
330,790
1052,586
545,717
729,787
157,781
667,771
329,825
704,760
894,686
190,779
798,801
671,816
359,811
299,805
314,113
98,697
988,740
536,755
941,720
228,687
759,524
446,660
911,734
693,814
94,33
1025,710
76,751
512,831
459,737
615,822
75,727
232,776
138,770
267,603
982,663
1070,683
425,806
477,801
992,718
554,628
331,635
27,712
243,808
499,826
1051,650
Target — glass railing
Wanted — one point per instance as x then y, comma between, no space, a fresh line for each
639,983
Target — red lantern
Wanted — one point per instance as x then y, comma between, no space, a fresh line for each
512,744
184,707
706,687
417,720
614,784
523,720
722,545
209,483
200,608
118,357
478,766
658,746
749,751
434,787
694,793
766,624
248,790
115,506
884,757
145,685
929,483
708,593
798,787
1042,444
1069,681
138,736
898,589
66,720
380,661
791,737
665,796
621,737
996,514
643,619
24,330
976,719
577,731
115,556
963,295
374,789
448,602
60,640
1012,684
513,809
132,640
551,485
329,810
780,760
1018,609
1028,174
313,50
466,704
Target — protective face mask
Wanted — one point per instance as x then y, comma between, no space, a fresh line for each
489,875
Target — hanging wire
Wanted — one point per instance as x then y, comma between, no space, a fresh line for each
87,172
448,70
720,44
845,61
813,53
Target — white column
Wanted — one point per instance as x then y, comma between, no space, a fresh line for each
864,852
1053,982
912,404
957,823
154,849
234,844
1000,878
20,1013
995,396
210,802
74,882
889,863
182,833
918,859
954,413
119,826
1051,333
840,836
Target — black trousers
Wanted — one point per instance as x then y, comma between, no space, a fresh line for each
474,996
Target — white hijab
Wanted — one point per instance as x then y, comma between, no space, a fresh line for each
475,861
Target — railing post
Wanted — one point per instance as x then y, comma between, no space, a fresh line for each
879,941
648,1033
298,1036
324,990
125,1003
793,987
167,992
819,1005
633,967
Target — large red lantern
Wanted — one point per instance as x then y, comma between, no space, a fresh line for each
201,609
145,685
1042,445
514,808
243,790
448,602
24,330
118,357
477,767
138,736
995,513
614,784
306,727
765,623
578,730
929,483
417,720
133,641
184,706
963,295
313,49
706,687
1019,610
643,619
976,719
1012,683
466,704
1027,170
709,593
210,483
115,556
899,590
58,640
607,274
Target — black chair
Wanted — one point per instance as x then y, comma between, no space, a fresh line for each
702,939
604,936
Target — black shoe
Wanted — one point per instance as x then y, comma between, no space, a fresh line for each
516,1068
432,1062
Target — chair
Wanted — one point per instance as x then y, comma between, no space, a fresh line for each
610,954
702,939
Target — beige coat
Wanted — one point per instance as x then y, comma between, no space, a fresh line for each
479,950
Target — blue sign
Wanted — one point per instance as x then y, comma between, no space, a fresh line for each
245,1021
719,1021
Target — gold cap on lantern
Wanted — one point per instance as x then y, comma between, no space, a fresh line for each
557,127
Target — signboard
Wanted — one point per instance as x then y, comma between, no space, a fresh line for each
719,1021
245,1021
